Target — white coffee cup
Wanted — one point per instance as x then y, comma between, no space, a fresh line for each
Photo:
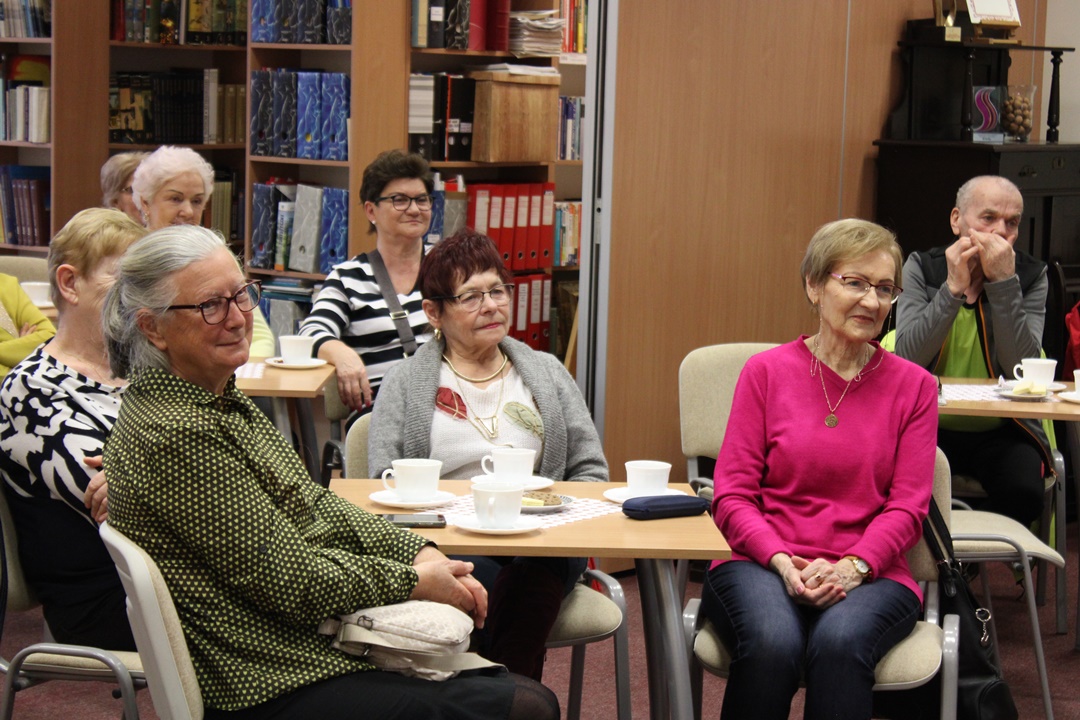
1037,370
38,292
498,504
647,477
295,348
415,479
509,464
1076,380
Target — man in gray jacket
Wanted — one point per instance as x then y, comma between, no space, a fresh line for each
975,308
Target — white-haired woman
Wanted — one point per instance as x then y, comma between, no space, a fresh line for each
172,186
255,553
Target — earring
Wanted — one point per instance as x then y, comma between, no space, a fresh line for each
438,334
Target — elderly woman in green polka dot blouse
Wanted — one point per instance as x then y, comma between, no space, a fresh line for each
255,554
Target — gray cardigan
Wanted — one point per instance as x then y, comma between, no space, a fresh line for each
401,420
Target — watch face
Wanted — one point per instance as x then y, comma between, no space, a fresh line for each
862,566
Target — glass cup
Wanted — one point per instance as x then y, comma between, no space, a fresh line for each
647,477
415,479
1038,370
295,348
1017,112
498,504
509,464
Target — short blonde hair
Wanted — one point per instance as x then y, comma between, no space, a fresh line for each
848,239
88,238
115,174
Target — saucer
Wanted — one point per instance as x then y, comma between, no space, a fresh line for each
543,509
44,304
534,483
1010,384
523,525
1023,397
619,495
389,498
279,362
1073,397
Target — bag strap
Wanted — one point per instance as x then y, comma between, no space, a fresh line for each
935,530
397,313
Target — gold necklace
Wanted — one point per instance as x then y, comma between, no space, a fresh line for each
478,380
831,420
476,420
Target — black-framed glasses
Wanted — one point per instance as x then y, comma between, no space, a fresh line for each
401,202
216,309
473,299
858,287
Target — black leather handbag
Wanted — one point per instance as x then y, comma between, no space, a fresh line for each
981,692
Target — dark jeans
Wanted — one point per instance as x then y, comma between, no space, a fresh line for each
1009,468
775,642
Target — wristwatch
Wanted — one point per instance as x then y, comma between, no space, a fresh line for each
861,566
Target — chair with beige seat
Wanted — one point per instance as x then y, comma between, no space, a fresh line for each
156,626
26,269
44,661
932,649
586,616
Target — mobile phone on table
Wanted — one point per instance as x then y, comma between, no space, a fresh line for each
416,520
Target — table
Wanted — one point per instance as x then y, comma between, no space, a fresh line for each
653,545
1054,409
291,390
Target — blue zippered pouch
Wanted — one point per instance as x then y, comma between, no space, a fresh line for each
654,507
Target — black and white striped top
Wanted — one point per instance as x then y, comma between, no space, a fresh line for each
350,308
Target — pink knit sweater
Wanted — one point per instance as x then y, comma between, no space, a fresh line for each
787,483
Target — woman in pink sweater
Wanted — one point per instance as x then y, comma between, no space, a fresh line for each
822,483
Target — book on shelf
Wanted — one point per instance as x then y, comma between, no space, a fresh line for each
498,25
25,204
283,106
308,114
458,121
290,21
519,327
311,29
286,212
199,22
334,142
339,22
418,23
436,24
210,129
478,25
519,258
260,130
421,114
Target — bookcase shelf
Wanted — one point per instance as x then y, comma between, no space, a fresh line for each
197,147
25,41
265,272
21,144
190,47
301,46
271,160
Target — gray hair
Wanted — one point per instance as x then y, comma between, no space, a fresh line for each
115,173
164,164
963,195
145,283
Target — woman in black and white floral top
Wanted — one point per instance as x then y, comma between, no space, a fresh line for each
57,407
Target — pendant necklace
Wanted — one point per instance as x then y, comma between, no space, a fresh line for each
481,422
831,420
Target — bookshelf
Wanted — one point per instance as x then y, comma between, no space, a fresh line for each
79,82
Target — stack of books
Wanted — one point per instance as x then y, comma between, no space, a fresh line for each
25,18
536,33
180,22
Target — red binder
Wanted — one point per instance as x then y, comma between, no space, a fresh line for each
536,308
479,207
532,254
547,226
520,324
495,215
509,220
521,230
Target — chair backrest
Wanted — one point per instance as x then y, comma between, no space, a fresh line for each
356,448
19,595
336,410
156,626
26,269
920,561
707,380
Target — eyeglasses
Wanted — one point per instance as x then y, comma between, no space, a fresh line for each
473,299
401,202
857,287
216,309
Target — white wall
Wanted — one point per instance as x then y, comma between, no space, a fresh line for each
1063,30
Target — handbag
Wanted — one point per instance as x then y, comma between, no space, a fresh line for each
417,638
981,694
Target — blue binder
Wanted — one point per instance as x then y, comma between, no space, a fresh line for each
262,113
308,114
334,143
263,225
283,88
334,245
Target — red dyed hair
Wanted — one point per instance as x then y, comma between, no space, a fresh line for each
455,260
